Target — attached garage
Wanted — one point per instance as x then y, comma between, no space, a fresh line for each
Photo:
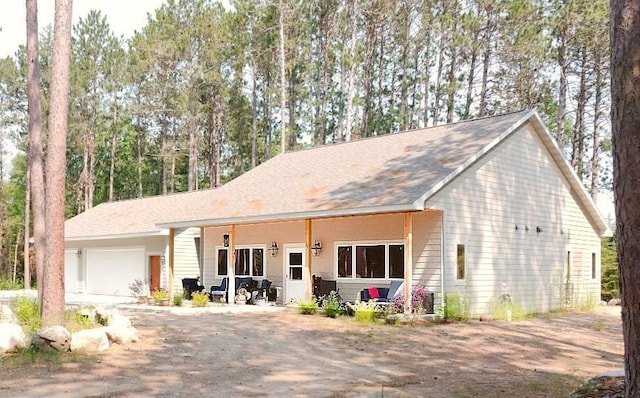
72,277
110,271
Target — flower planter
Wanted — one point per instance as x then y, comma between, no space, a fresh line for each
151,300
164,302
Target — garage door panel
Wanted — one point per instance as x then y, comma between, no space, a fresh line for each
110,271
71,271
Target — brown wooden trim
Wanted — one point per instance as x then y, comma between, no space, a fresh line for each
172,237
308,234
231,267
408,259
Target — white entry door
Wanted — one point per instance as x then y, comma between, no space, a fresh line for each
294,273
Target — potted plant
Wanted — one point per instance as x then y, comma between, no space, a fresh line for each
161,297
139,290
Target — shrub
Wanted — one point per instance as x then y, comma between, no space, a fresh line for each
159,295
331,305
308,307
504,303
421,300
8,284
28,313
199,299
365,312
177,301
455,309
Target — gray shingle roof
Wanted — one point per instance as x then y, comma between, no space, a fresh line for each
394,172
385,173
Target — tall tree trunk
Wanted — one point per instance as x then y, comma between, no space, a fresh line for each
352,72
53,293
193,156
472,73
36,153
486,62
139,158
577,141
283,82
254,113
27,224
438,87
625,123
595,157
563,63
114,141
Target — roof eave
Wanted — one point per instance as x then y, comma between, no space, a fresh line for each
281,217
161,232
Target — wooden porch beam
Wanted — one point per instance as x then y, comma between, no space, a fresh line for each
231,266
172,245
408,260
306,277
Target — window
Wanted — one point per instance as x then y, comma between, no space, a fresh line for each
222,261
249,261
460,262
593,266
376,261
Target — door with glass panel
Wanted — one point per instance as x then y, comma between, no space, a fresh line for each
294,273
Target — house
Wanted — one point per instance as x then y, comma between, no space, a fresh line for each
478,208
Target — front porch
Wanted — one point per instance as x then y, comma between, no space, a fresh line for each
355,251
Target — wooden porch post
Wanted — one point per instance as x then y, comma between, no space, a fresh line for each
408,260
308,233
231,266
172,237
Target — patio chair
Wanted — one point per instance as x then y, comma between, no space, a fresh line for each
220,291
189,286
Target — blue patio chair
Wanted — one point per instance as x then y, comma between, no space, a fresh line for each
220,291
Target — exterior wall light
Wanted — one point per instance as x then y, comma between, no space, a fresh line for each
274,249
316,248
225,240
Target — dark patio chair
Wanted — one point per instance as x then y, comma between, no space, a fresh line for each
220,291
189,286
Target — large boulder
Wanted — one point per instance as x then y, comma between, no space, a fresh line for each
7,315
11,337
55,337
614,301
120,334
112,318
90,340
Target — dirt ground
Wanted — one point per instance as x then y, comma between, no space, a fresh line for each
285,354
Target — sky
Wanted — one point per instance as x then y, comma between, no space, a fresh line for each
124,17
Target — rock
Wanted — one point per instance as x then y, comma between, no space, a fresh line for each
486,318
90,340
56,337
87,312
614,301
120,334
7,315
11,337
112,318
603,303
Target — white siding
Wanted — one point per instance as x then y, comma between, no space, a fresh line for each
186,260
516,184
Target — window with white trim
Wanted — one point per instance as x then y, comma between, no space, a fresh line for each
594,262
249,261
370,260
461,262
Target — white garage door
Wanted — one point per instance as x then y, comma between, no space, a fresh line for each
72,277
110,271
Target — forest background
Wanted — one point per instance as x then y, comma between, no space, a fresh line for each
203,93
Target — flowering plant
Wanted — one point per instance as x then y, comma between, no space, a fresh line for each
421,300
